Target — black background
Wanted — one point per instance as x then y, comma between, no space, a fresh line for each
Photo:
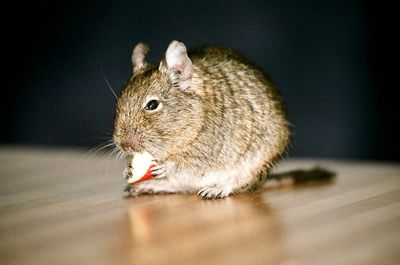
330,59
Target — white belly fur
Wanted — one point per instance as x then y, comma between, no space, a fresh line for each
230,178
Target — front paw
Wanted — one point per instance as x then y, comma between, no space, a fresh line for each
151,187
128,172
159,171
137,189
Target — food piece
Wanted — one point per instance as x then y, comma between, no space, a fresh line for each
141,165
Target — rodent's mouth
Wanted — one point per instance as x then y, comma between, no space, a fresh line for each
128,151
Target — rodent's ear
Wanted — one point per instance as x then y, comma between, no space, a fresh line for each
178,62
139,55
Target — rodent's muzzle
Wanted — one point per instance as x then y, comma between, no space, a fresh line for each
131,143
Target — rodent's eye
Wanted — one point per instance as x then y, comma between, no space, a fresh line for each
152,105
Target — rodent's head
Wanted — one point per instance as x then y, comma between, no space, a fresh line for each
156,111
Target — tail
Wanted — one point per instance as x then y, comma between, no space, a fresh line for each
300,176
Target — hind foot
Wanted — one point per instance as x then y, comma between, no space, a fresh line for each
214,192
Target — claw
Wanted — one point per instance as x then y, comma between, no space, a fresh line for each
213,192
159,171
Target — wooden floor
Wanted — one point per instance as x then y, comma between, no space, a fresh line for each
67,207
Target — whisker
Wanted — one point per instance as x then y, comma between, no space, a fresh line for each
108,83
120,155
105,146
98,148
114,151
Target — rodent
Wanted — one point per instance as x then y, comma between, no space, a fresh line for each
214,122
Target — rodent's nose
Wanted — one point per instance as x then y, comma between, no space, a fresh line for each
131,143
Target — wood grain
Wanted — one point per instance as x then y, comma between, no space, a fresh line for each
67,207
